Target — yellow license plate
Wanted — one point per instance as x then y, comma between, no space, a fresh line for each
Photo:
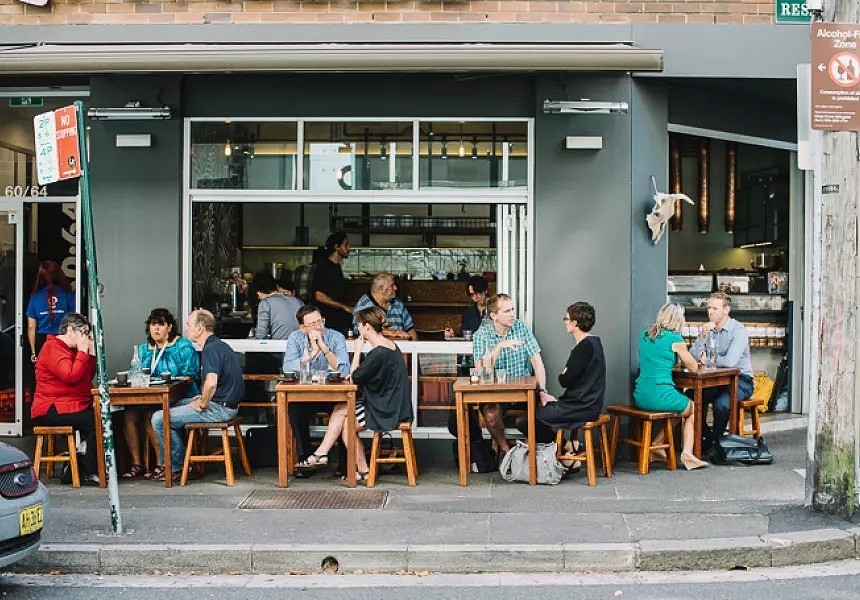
31,519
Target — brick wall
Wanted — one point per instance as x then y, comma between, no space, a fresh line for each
86,12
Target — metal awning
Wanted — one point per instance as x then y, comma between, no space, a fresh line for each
49,59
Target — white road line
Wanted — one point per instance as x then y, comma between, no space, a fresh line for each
166,580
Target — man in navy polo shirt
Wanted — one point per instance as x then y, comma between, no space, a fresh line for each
221,392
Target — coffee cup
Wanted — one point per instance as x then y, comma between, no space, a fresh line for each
166,376
122,378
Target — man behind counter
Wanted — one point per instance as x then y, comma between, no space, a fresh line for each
383,293
329,286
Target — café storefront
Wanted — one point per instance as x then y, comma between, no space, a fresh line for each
434,167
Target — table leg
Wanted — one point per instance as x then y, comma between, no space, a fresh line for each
462,432
733,405
100,443
530,401
351,434
698,420
285,437
168,460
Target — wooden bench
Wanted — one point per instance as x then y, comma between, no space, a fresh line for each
750,404
406,456
224,455
644,419
586,454
50,458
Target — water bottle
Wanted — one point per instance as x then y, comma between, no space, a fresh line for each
136,365
711,351
306,366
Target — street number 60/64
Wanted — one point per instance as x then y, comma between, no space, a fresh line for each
23,191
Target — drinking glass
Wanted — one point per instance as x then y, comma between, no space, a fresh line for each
319,377
474,375
501,376
486,374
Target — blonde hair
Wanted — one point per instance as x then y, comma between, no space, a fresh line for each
670,318
494,301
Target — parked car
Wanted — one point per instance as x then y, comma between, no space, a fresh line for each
24,506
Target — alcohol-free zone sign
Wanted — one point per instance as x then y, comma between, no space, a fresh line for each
835,77
57,154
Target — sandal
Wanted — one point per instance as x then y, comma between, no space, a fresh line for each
361,477
571,466
314,460
157,472
133,473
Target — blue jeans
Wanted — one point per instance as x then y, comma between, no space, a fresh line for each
181,414
721,398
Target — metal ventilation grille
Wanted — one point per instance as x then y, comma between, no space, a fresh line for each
315,499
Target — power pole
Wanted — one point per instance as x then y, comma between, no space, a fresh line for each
833,424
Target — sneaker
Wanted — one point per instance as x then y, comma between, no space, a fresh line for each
91,479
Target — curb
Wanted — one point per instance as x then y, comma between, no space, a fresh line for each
794,548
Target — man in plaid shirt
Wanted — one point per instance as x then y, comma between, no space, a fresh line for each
505,342
383,293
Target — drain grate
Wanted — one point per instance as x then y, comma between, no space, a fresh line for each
315,499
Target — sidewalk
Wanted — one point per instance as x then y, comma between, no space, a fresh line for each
713,518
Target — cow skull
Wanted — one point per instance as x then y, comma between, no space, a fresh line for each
664,208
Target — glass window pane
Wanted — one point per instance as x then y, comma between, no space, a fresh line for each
464,154
358,156
243,155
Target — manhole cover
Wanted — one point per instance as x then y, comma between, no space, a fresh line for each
314,499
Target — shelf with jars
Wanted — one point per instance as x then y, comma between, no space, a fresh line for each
761,335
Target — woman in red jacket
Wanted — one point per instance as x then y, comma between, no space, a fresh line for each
64,374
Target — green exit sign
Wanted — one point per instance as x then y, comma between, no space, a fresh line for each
26,101
791,11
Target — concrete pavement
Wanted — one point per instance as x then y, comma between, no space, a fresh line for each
713,518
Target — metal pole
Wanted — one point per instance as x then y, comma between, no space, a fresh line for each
96,320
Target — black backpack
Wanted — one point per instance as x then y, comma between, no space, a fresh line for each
737,450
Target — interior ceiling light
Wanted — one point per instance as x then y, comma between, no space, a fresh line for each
583,107
444,149
228,149
383,150
475,147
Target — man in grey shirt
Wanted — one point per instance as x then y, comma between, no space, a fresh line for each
733,350
276,315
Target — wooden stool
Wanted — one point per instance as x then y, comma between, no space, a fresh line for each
587,455
644,419
51,458
224,455
752,405
405,456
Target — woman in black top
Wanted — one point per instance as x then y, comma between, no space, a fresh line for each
385,382
583,379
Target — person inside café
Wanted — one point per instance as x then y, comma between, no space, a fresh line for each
505,342
383,295
733,351
583,379
222,390
660,347
474,315
64,374
52,298
384,380
330,293
165,351
326,350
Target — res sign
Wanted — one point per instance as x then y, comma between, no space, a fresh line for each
791,11
57,154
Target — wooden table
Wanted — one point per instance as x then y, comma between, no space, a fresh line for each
707,377
312,392
155,396
519,389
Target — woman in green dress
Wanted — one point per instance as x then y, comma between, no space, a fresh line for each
660,347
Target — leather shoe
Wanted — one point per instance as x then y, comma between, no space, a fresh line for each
91,479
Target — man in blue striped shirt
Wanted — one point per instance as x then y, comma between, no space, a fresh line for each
383,293
505,342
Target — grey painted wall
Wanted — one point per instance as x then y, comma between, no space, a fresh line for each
582,220
137,197
650,153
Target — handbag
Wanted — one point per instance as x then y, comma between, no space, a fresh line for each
515,464
737,450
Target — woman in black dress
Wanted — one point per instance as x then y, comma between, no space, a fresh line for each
583,379
384,380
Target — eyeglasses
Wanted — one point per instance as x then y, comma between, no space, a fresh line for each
84,331
317,323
